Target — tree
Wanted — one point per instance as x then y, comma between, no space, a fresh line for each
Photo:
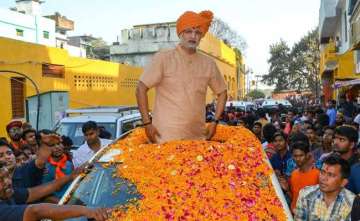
99,49
256,94
305,63
224,32
279,66
295,69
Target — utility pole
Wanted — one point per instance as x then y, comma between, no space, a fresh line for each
248,73
257,79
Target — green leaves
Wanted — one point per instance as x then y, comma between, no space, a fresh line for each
296,68
256,94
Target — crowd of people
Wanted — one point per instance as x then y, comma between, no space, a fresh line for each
314,153
36,169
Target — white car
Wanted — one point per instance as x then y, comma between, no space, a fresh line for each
274,104
116,120
100,188
240,105
285,103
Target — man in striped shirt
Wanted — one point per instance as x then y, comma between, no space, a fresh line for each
329,200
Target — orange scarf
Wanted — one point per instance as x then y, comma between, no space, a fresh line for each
61,164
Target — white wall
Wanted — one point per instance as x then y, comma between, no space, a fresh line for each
139,44
48,25
29,7
344,27
32,26
75,51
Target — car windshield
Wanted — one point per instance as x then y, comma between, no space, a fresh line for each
74,131
102,188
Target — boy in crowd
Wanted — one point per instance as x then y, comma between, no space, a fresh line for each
279,160
58,166
327,141
313,138
306,173
345,144
21,159
14,131
29,138
268,132
257,130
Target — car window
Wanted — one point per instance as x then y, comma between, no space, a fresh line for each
100,188
74,131
249,107
127,126
137,123
240,108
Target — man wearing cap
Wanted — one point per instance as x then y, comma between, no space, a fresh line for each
14,131
180,77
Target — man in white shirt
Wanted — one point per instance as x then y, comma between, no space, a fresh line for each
92,144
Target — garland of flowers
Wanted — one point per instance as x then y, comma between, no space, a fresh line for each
223,179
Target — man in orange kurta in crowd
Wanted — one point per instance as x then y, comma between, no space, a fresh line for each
180,77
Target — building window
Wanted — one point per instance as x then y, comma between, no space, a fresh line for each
46,34
53,70
17,97
19,32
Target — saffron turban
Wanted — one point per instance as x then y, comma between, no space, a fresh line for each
192,19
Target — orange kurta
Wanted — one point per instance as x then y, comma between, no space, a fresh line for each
181,82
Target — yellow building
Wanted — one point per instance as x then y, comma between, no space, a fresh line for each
225,59
338,39
230,63
89,82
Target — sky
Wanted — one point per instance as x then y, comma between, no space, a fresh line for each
260,22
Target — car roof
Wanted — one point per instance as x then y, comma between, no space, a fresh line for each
273,102
101,109
270,101
238,103
99,118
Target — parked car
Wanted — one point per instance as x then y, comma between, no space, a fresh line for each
240,105
100,188
274,104
285,103
115,120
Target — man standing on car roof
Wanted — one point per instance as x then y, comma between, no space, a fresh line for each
181,77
